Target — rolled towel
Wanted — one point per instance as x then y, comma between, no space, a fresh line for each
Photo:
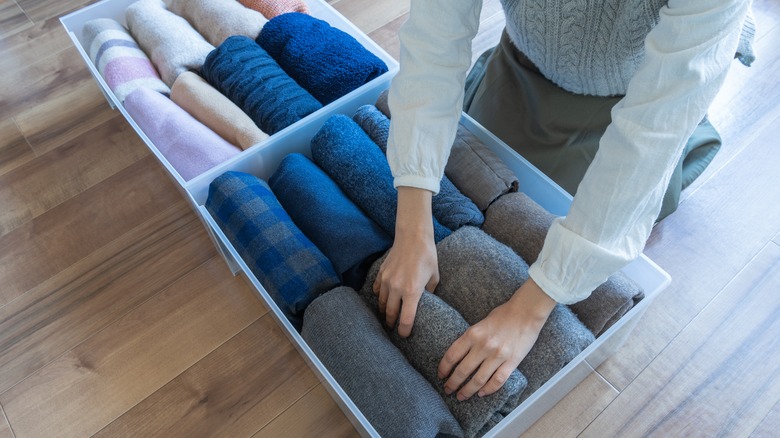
216,111
190,146
477,274
450,206
436,327
326,61
248,76
477,171
381,103
118,59
272,8
172,44
328,217
352,344
218,19
348,155
291,269
522,224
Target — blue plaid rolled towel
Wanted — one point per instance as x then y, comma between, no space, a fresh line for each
248,76
451,207
352,344
292,270
326,61
477,274
327,216
348,155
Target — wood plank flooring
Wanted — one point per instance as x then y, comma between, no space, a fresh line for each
118,318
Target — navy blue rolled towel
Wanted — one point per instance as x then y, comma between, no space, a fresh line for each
249,76
451,207
326,215
326,61
290,267
344,151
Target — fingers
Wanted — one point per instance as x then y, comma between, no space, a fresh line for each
433,282
408,312
392,309
457,351
500,376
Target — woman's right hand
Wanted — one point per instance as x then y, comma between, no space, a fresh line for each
412,265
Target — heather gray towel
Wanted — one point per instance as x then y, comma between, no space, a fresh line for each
352,344
172,44
218,19
478,273
522,224
436,327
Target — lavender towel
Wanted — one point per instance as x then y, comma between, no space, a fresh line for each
326,61
351,159
249,77
351,343
522,224
118,59
478,273
187,144
172,44
288,265
450,206
218,19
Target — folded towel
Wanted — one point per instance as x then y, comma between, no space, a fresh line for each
218,19
381,103
272,8
172,44
327,216
216,111
478,273
436,327
522,224
118,59
326,61
351,342
477,171
291,269
248,76
190,146
349,156
450,206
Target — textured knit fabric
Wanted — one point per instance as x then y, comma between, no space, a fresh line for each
478,273
346,153
190,146
436,327
352,344
326,215
324,60
519,222
172,44
272,8
450,206
218,19
118,59
248,76
288,265
216,111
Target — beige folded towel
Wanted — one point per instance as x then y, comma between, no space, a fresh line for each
218,19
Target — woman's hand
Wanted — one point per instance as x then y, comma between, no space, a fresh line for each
495,346
412,265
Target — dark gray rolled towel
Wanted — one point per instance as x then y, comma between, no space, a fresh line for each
522,224
451,207
436,327
352,344
478,273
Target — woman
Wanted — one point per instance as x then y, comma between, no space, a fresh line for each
603,95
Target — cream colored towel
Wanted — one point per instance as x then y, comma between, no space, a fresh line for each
218,19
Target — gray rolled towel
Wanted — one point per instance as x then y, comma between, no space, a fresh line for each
436,327
172,44
477,274
519,222
216,20
352,344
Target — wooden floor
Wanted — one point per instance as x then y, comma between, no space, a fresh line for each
118,318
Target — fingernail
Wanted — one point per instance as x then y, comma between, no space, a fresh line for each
447,391
461,397
481,393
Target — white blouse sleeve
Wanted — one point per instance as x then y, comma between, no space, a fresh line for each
687,56
427,93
